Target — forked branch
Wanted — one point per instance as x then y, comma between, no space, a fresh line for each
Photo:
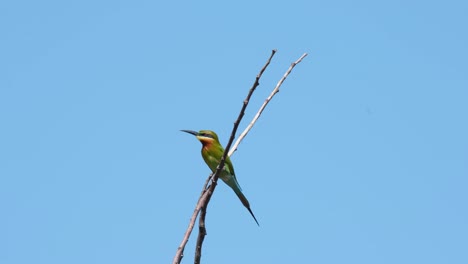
208,190
211,182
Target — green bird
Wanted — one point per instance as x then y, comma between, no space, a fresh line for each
212,152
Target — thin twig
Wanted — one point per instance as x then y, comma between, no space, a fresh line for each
208,191
276,90
201,235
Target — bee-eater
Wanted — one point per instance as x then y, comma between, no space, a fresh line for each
212,152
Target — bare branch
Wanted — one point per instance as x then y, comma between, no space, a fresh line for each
202,233
208,190
211,181
276,90
180,250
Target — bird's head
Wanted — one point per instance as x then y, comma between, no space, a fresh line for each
205,136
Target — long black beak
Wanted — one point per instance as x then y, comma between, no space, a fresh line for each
190,132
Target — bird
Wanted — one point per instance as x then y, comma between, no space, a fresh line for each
212,152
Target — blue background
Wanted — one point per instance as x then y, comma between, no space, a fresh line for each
361,158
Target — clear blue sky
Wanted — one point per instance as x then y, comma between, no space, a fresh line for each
361,158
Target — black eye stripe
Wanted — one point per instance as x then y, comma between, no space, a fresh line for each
206,135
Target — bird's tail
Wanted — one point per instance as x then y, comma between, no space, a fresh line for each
235,187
